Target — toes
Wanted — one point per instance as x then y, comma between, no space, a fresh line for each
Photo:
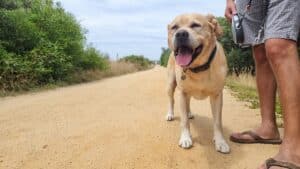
185,142
222,146
170,117
263,166
190,115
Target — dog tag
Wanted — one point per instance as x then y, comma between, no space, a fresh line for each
183,76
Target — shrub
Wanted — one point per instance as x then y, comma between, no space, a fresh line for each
49,63
239,60
93,59
140,61
164,56
40,43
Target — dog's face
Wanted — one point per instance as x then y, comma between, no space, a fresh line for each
190,36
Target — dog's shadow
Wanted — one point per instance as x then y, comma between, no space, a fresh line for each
203,126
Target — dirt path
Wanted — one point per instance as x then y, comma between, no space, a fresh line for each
118,123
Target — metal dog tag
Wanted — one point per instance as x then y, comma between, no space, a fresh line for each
183,77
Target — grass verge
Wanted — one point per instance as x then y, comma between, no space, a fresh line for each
117,68
244,88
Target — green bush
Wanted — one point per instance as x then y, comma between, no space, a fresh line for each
239,60
17,33
40,43
164,56
140,61
93,59
49,63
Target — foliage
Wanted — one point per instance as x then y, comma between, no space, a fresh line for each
239,60
40,43
165,56
242,89
93,59
243,92
140,61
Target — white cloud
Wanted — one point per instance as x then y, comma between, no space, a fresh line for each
133,26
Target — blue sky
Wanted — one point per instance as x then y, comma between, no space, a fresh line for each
124,27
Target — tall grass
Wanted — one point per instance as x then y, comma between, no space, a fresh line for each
244,79
244,88
116,68
121,67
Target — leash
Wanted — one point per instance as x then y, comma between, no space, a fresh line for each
262,27
247,9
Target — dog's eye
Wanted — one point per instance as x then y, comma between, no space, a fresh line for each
195,25
175,27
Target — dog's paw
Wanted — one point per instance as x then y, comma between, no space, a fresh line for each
170,117
190,115
185,140
222,146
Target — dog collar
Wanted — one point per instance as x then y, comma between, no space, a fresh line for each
206,65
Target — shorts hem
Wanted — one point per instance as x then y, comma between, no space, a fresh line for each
288,36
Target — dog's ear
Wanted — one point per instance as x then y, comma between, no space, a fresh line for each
214,24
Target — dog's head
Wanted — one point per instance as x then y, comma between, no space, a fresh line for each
190,36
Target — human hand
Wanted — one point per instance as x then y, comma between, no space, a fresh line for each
230,10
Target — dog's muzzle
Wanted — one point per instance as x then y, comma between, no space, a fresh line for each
184,52
182,38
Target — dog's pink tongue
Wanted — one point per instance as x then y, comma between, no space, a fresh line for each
183,59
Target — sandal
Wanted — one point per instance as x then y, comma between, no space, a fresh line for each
254,139
272,163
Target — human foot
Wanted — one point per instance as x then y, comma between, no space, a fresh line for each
250,137
267,135
273,163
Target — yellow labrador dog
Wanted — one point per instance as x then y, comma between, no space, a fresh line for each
197,66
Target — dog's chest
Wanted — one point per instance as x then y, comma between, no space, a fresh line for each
199,87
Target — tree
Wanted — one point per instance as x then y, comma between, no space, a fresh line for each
165,56
140,61
239,60
41,43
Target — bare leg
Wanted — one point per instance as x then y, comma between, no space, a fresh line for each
266,86
216,108
185,138
283,58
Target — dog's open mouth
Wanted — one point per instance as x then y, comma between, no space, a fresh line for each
185,55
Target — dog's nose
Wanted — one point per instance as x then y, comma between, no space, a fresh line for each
182,34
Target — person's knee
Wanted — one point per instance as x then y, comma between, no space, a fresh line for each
277,50
259,55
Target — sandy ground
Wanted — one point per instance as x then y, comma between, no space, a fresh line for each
118,123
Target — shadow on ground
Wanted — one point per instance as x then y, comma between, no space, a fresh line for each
204,135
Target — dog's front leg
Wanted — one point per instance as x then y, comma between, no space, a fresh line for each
185,138
216,107
171,89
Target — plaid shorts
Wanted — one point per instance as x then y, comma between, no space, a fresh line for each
279,19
